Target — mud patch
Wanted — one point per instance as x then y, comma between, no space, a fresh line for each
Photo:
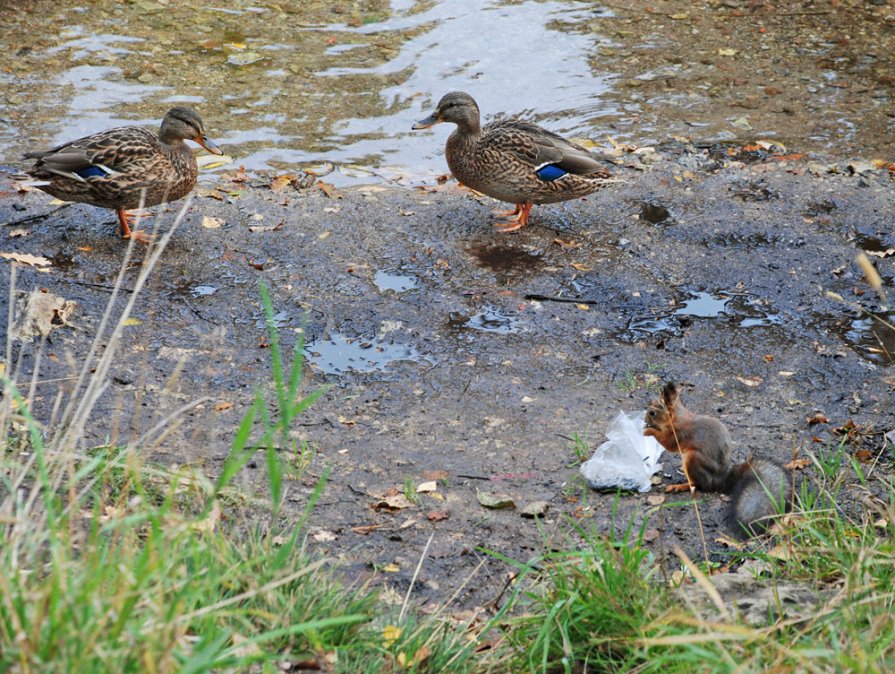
506,260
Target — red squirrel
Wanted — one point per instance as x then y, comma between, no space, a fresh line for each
759,488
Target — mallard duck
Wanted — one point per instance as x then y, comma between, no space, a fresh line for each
513,160
125,167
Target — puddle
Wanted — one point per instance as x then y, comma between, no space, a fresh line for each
340,354
703,305
489,319
655,214
505,259
872,339
872,244
280,85
394,281
739,310
201,291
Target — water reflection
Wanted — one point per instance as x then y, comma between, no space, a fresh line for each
330,81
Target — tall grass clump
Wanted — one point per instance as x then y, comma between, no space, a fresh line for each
603,603
108,564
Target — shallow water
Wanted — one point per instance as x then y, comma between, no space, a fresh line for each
320,80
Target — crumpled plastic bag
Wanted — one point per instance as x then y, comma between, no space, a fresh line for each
627,459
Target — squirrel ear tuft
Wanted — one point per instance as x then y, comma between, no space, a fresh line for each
670,394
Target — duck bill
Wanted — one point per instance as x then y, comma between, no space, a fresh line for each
431,120
208,145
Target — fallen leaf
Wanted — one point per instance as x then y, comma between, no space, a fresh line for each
534,509
392,503
495,501
19,232
280,182
211,223
267,228
25,258
129,322
223,405
750,381
427,487
863,455
727,52
38,313
583,307
655,499
211,161
581,267
817,418
366,529
436,475
391,568
437,515
797,464
329,190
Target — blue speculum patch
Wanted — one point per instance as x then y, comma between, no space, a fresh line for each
92,172
550,172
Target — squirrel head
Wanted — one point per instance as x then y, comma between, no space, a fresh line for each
661,411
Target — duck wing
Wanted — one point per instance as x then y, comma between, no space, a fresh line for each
539,147
102,154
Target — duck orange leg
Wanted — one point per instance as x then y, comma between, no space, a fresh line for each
517,222
501,213
127,232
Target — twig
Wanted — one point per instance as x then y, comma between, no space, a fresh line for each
39,216
569,300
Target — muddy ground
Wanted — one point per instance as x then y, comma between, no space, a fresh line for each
447,364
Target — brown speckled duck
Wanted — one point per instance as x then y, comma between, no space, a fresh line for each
513,160
125,167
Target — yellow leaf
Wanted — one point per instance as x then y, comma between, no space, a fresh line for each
211,223
581,267
390,634
132,321
323,235
727,52
583,307
391,568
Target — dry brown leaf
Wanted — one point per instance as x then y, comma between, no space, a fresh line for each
26,258
797,464
211,223
280,182
223,405
392,503
437,515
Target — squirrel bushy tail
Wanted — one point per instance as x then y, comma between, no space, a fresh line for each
763,490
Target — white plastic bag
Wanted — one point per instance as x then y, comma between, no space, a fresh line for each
627,459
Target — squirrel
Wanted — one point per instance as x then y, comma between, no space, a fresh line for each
759,488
